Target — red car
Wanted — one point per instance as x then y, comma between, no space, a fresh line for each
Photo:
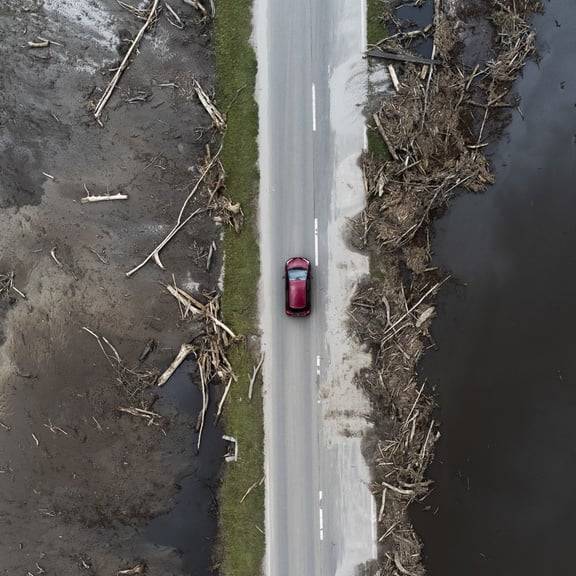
298,277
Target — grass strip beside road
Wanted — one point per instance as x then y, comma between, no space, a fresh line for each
376,30
241,543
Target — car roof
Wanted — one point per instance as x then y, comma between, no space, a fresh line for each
297,296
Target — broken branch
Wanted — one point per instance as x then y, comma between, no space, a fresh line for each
122,68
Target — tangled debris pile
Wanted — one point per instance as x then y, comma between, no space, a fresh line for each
435,126
208,346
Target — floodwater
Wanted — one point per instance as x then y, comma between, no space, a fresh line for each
417,18
192,524
504,364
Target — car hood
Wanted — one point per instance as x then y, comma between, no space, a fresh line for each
297,293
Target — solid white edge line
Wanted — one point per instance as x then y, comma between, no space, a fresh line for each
313,107
267,518
363,29
374,527
364,44
316,241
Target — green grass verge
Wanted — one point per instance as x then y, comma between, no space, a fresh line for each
376,30
241,545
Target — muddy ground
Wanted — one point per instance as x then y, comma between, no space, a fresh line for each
81,481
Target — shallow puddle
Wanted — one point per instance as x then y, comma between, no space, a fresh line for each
417,18
191,526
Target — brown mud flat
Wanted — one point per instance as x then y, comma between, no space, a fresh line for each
81,480
435,126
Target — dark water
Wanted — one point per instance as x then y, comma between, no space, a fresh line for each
505,362
417,18
191,526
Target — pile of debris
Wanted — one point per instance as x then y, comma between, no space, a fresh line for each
435,126
214,337
209,341
208,346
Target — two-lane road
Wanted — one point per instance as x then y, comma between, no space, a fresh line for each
309,54
288,211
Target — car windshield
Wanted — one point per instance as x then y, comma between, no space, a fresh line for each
297,274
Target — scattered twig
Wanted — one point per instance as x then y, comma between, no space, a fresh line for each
217,118
254,376
140,14
197,5
53,254
140,568
121,69
99,256
180,222
394,77
177,22
41,43
211,251
203,363
111,348
223,399
252,486
103,198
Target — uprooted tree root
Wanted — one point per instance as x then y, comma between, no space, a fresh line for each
435,127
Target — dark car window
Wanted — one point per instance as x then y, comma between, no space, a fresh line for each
297,274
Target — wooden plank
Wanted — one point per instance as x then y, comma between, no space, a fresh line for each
375,53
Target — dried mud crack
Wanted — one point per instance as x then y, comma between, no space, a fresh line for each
435,126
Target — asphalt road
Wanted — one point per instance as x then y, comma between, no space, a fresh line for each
319,509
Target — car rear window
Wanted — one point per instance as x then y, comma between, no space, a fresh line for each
297,274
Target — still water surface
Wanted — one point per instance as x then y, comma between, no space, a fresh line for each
505,359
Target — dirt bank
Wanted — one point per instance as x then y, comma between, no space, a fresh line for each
81,480
444,111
